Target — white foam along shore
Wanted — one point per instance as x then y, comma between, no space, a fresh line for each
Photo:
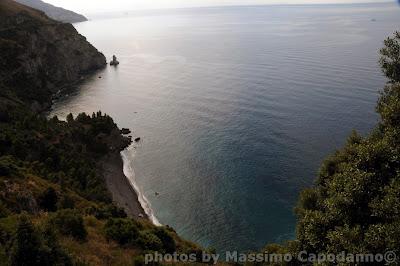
130,175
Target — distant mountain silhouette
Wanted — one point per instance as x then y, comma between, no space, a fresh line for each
54,12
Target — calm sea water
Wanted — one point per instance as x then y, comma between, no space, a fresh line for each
236,107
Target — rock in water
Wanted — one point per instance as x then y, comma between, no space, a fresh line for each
114,61
125,131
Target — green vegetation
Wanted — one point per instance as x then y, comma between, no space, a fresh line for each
124,231
69,223
48,200
54,204
32,247
55,208
390,60
354,205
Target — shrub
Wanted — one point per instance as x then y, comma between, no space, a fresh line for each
7,166
66,202
150,242
26,247
139,261
70,223
122,230
167,240
70,118
4,211
354,204
51,251
390,60
106,211
48,200
35,247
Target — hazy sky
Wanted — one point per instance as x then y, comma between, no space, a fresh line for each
92,6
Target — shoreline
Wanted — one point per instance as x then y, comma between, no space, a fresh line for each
122,192
130,178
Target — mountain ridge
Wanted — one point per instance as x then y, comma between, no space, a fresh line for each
54,12
55,205
42,54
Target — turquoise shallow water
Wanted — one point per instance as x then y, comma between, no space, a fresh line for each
236,107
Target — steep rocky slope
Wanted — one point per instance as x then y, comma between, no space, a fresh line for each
41,53
55,208
54,12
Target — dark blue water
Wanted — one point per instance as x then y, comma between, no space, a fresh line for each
236,107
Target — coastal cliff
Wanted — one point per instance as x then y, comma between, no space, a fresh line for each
54,12
42,54
56,193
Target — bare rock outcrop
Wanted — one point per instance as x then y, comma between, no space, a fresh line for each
54,12
41,54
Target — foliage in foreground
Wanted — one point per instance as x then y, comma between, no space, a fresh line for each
55,208
354,206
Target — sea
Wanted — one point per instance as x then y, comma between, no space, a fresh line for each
236,107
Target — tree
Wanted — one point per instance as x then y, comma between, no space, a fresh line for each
52,252
66,202
122,230
70,222
70,118
390,60
167,240
354,206
26,247
150,242
48,200
107,211
389,106
34,247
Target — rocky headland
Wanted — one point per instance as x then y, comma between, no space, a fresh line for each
41,57
64,199
42,54
54,12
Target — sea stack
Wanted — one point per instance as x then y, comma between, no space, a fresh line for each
114,62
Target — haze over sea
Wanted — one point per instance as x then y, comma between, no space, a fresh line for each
236,107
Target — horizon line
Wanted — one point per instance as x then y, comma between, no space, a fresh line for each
240,5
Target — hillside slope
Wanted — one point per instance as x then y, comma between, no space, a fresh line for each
54,12
55,208
41,54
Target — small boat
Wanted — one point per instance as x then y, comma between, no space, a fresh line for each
156,193
114,62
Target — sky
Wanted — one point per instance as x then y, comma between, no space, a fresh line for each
93,6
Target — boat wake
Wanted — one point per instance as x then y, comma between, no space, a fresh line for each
127,157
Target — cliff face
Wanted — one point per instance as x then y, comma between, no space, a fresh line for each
55,208
54,12
41,54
